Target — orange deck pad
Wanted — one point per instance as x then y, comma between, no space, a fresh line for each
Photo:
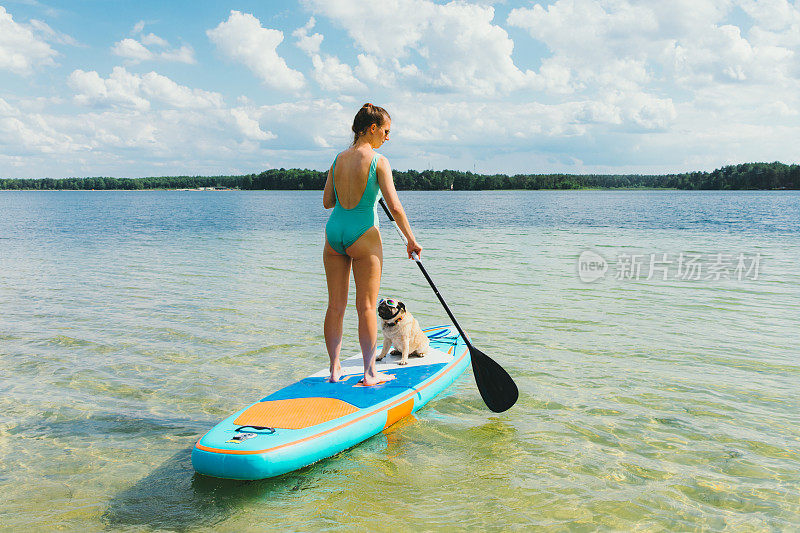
294,413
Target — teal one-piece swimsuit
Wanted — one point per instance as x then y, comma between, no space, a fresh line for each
345,226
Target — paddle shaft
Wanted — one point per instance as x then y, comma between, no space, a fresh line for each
497,388
427,276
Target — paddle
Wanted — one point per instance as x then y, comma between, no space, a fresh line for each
498,390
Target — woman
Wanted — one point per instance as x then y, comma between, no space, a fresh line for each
352,237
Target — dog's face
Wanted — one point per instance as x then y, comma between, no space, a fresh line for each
390,309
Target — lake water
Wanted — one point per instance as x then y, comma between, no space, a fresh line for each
661,395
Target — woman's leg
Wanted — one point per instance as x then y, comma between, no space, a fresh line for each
337,272
367,254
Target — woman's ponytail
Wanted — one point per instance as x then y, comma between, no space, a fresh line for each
367,116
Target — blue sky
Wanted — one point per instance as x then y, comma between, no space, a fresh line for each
91,88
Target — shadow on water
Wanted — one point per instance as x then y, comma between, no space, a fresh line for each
174,497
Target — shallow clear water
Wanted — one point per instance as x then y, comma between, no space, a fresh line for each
132,322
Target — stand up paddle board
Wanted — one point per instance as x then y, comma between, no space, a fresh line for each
314,419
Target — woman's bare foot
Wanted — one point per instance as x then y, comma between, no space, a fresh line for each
370,380
336,374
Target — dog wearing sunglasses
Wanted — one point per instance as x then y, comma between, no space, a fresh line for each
400,330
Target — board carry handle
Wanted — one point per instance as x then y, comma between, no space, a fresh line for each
258,428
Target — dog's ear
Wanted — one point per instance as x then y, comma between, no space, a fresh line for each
401,305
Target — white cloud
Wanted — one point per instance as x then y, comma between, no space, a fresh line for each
29,134
124,140
329,72
249,127
170,93
184,54
321,142
6,110
777,25
445,123
152,39
243,39
389,30
20,49
26,137
593,43
126,90
309,44
630,57
132,49
461,47
368,69
446,132
647,111
622,44
52,35
136,51
156,98
333,75
306,126
154,121
120,89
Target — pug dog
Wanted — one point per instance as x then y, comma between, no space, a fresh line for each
400,330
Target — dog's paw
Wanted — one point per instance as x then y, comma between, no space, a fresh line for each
379,358
417,354
401,362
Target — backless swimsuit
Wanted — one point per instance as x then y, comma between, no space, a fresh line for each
345,226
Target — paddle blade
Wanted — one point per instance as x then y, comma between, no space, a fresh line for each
498,390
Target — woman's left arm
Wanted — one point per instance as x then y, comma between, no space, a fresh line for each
328,195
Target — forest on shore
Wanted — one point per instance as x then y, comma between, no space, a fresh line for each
746,176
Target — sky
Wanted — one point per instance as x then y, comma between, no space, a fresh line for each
154,88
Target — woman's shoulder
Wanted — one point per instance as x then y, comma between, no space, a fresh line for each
382,159
342,156
379,157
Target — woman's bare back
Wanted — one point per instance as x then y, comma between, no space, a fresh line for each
351,174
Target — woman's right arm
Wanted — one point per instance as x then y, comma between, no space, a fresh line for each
386,183
328,195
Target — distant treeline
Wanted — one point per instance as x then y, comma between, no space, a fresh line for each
734,177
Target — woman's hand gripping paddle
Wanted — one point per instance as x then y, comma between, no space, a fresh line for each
497,389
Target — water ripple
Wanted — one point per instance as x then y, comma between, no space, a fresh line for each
133,322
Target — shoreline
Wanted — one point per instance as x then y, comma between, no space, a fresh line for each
744,176
211,189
